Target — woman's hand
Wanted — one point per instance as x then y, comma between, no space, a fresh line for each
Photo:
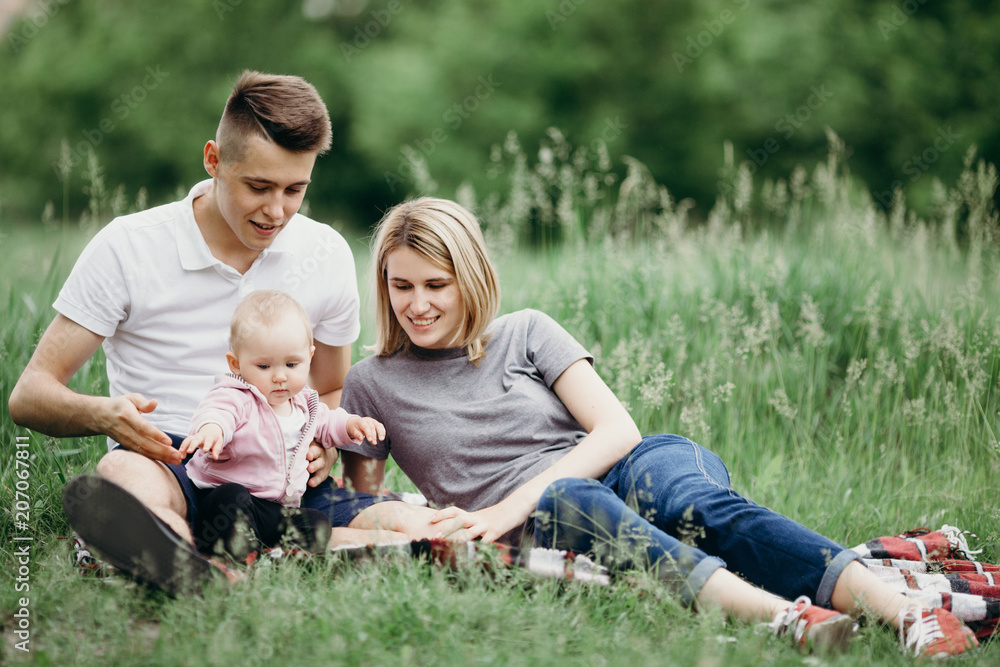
487,525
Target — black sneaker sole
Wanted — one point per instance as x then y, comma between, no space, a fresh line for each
129,536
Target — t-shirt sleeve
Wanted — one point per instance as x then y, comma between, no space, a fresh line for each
358,399
96,294
550,347
340,322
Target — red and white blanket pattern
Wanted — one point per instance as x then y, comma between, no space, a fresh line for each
935,567
940,570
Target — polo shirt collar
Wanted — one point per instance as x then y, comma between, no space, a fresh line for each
191,246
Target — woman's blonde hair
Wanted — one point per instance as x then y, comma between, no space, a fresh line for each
449,237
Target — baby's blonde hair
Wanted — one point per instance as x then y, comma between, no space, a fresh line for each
264,308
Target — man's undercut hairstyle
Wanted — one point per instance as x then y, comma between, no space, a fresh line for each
264,308
284,109
448,236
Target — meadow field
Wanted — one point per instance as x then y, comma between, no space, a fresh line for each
844,363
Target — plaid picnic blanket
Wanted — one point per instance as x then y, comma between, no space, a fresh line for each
938,568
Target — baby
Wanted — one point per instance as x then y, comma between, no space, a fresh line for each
250,434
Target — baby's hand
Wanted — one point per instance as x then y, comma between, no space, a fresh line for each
208,438
365,427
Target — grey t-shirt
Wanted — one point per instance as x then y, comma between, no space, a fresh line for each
469,435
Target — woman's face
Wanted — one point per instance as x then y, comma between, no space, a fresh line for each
425,299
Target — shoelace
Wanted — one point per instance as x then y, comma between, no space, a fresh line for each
789,617
922,631
959,543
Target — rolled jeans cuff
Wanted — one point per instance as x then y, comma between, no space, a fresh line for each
697,577
824,594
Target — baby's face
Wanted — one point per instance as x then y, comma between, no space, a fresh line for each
275,359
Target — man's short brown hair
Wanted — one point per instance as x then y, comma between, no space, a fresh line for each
284,109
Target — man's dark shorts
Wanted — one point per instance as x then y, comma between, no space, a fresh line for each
339,504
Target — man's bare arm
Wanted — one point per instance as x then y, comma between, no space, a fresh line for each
42,401
328,371
326,375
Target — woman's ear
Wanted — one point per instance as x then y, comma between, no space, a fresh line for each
234,362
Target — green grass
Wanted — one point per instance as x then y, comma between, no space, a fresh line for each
842,363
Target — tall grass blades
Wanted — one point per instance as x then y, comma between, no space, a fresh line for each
843,360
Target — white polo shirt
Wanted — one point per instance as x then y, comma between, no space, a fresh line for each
149,285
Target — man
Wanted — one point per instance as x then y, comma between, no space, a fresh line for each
156,289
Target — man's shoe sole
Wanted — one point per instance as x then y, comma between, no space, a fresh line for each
129,536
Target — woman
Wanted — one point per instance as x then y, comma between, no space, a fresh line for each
500,420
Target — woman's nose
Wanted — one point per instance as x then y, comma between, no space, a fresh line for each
419,303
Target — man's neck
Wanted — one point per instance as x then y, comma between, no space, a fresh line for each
221,241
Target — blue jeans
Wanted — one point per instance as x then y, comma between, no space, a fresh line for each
668,506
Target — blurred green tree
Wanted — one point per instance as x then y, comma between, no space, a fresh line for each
907,84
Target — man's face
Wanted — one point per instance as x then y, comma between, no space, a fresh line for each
259,194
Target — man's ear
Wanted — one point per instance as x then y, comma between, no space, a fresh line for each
234,363
211,158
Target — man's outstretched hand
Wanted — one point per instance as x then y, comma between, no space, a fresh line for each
122,420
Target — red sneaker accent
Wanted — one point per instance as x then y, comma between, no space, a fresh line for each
934,633
813,627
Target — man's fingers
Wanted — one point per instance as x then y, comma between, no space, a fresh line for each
146,430
313,452
158,452
141,403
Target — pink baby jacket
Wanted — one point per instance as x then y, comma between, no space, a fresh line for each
255,454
